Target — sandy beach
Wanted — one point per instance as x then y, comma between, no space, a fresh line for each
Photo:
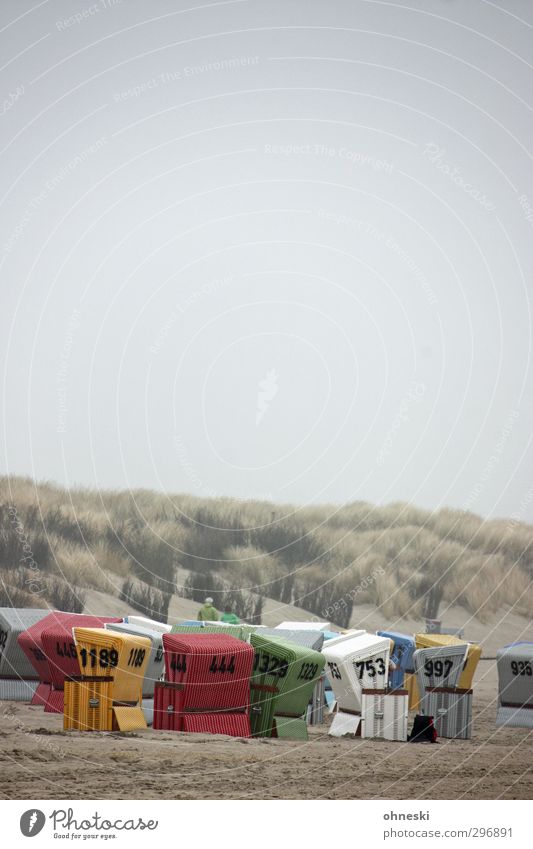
40,761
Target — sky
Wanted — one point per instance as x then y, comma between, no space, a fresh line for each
276,250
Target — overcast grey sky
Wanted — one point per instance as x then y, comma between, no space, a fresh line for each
269,249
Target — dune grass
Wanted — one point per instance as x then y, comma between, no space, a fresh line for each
324,558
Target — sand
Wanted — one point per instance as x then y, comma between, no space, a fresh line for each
40,761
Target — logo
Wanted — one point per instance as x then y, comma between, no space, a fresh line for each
267,391
32,822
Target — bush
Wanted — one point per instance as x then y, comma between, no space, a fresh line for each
150,558
315,556
248,607
14,590
22,537
23,588
150,601
200,585
64,597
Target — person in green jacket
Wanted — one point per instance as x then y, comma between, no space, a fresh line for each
229,617
207,612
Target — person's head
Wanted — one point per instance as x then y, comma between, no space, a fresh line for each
209,601
227,609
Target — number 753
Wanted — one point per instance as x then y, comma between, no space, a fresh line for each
371,667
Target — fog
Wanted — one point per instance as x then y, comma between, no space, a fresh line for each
276,250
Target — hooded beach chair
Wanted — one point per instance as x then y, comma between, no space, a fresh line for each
156,666
207,684
18,677
353,665
57,660
438,672
107,693
515,685
284,677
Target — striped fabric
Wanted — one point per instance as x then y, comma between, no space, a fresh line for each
356,664
439,667
315,710
473,654
193,627
155,666
58,645
232,724
128,718
14,663
30,643
148,710
401,656
451,710
292,669
54,702
41,695
17,691
214,668
289,728
167,708
384,714
345,723
310,639
515,717
88,705
208,675
152,624
60,649
123,657
61,624
515,685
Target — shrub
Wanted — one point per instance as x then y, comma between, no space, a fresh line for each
313,556
14,590
64,597
247,606
200,585
150,601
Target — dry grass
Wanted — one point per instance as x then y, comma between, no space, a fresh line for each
313,556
